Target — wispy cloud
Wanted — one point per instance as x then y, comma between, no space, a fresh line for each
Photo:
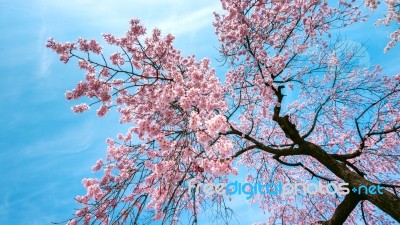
4,207
44,59
57,144
190,22
178,17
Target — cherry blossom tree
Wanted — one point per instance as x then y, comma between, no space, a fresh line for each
295,106
392,15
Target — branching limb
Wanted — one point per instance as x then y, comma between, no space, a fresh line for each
344,209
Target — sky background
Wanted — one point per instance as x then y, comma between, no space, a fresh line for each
45,149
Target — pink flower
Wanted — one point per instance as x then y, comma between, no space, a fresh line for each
98,165
72,222
102,111
80,108
61,49
92,45
117,59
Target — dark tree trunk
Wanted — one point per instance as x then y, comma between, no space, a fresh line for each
387,202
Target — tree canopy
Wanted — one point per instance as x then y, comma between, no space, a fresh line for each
295,106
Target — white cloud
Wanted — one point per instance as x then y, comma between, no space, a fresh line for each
178,17
44,60
68,142
4,207
188,23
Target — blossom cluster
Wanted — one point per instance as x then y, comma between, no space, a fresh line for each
185,123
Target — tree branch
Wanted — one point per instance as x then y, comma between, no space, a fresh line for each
344,209
347,156
263,147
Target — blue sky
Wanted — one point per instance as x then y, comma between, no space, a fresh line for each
45,149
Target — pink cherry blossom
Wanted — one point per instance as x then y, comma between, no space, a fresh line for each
80,108
294,106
